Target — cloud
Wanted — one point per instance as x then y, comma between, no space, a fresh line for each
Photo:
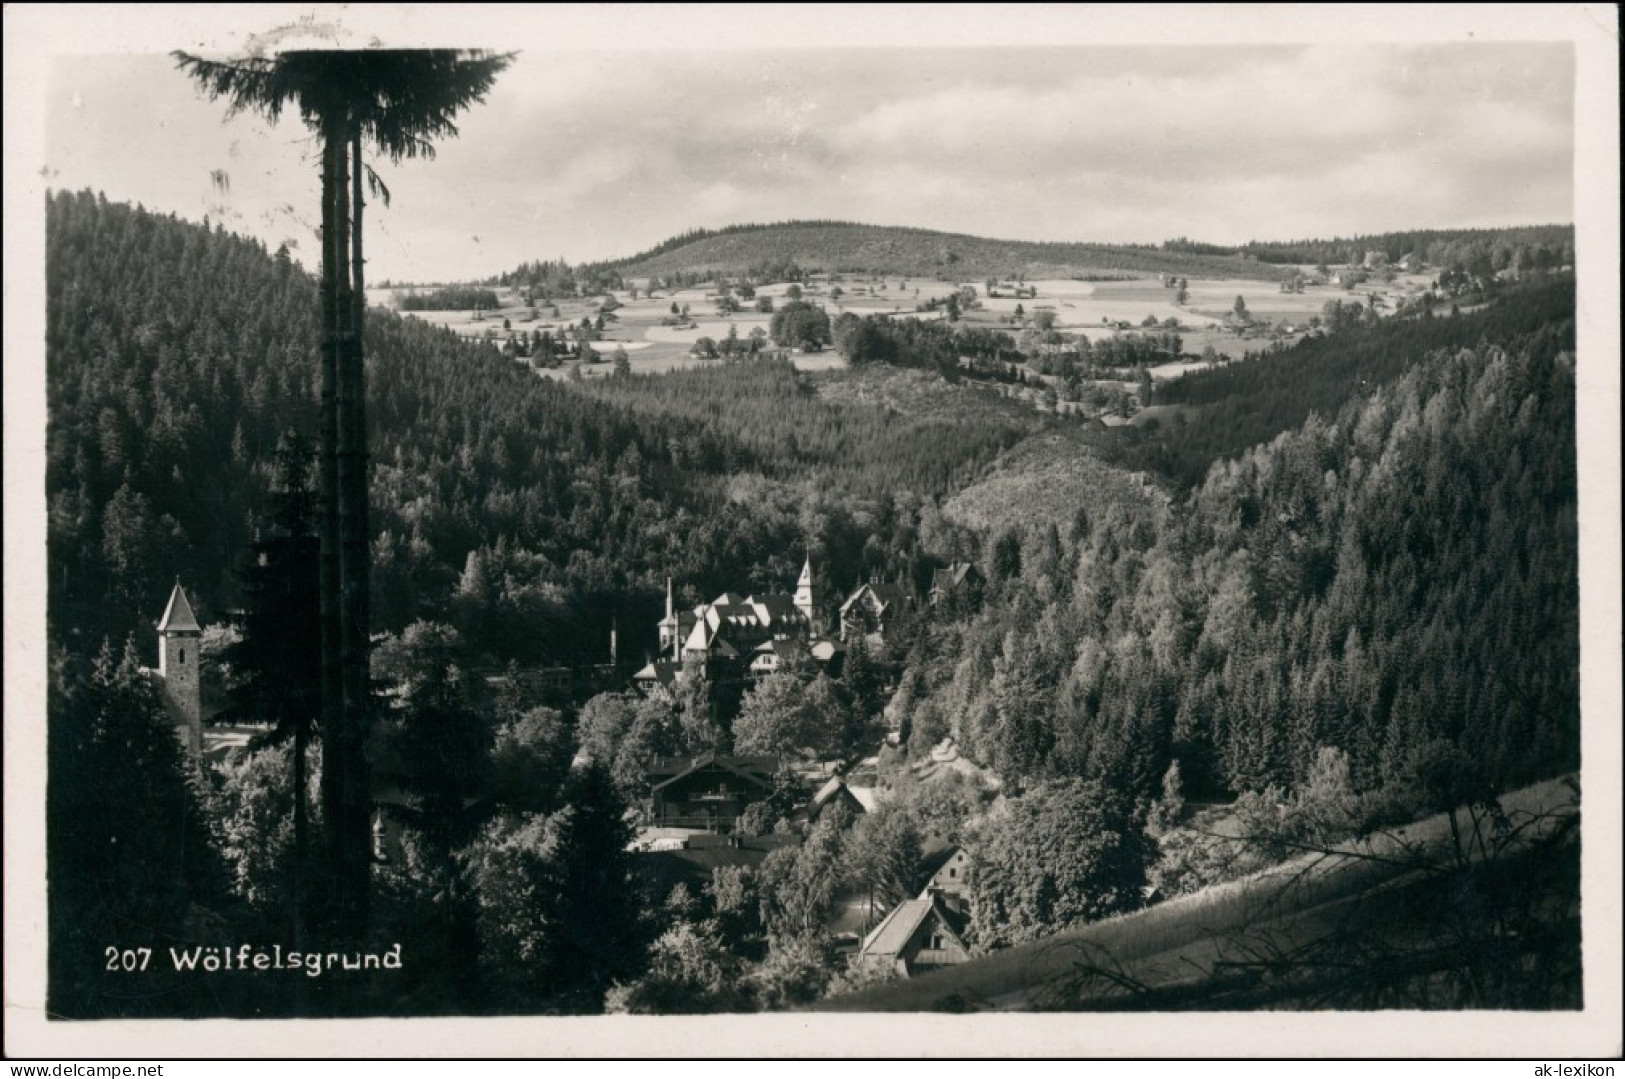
599,154
1288,117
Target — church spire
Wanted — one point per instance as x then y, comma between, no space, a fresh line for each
804,589
178,616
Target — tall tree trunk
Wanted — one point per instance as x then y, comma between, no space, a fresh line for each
354,550
301,830
332,695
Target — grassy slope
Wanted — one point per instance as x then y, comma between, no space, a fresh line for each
1174,945
1044,479
917,252
919,395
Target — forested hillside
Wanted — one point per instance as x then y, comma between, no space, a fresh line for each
793,248
1398,582
1538,247
812,424
1218,413
178,356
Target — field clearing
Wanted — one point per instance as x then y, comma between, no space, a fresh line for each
1178,370
716,329
1092,308
658,359
1043,479
1225,344
1133,291
862,310
607,347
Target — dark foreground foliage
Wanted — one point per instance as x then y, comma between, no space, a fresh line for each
1490,919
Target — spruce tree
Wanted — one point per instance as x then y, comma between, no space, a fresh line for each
399,100
278,658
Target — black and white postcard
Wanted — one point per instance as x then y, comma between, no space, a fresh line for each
869,530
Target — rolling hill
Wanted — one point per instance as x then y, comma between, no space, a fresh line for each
848,247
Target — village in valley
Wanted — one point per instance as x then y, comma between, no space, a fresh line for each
812,615
727,809
601,326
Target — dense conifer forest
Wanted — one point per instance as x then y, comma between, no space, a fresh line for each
1397,581
1536,247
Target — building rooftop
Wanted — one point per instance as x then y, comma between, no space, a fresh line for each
178,616
892,935
662,770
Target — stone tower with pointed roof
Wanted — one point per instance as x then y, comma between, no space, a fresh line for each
179,637
804,591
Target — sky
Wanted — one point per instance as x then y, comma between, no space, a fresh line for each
605,148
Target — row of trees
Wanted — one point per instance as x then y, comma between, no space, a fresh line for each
1551,245
449,298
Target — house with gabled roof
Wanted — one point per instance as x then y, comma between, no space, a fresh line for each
833,793
708,792
958,579
948,866
770,656
917,936
658,680
872,608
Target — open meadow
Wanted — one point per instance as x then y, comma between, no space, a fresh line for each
642,321
658,338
